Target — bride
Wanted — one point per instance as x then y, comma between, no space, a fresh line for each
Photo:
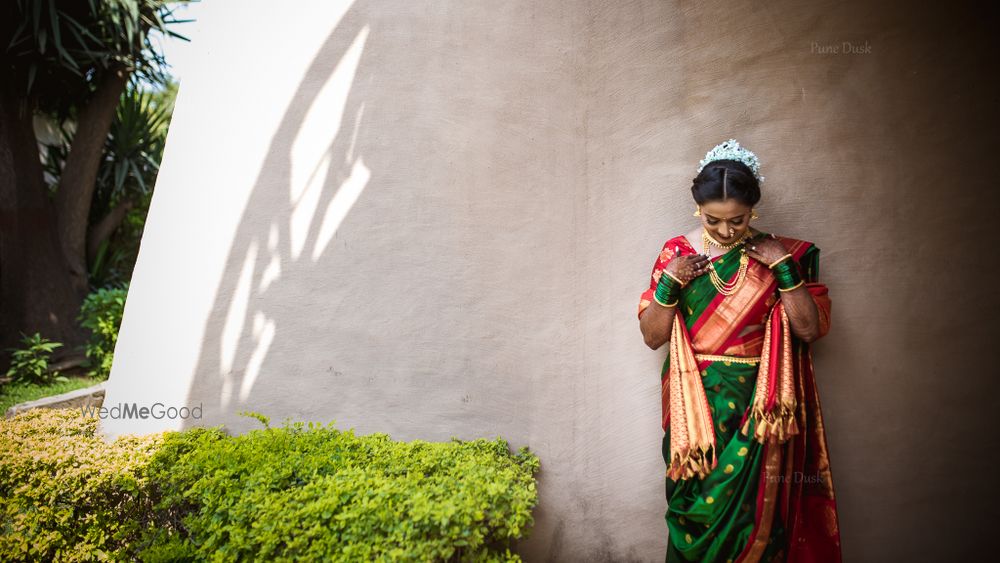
748,474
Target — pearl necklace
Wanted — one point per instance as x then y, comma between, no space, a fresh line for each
720,285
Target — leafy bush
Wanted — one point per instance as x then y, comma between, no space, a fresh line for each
30,363
317,493
65,494
101,312
300,492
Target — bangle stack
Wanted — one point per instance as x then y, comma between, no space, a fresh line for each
786,271
668,290
775,263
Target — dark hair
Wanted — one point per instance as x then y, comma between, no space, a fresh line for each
740,183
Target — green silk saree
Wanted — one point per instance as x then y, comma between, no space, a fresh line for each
748,475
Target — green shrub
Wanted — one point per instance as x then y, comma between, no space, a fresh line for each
101,312
311,493
293,493
30,363
65,494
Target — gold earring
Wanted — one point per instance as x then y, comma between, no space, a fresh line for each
697,212
753,214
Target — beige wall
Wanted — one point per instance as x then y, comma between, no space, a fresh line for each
434,219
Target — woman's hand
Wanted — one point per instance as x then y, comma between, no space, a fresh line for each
687,267
656,322
766,250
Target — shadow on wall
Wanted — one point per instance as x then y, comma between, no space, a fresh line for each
313,176
392,132
356,165
397,139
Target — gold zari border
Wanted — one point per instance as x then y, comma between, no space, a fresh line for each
748,360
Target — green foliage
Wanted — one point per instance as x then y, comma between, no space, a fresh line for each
296,493
15,393
134,145
314,493
101,312
132,154
264,420
30,363
65,494
57,51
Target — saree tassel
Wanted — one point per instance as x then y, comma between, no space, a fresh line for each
694,463
692,437
774,405
779,424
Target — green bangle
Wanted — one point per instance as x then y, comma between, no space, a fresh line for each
668,290
787,273
675,278
779,261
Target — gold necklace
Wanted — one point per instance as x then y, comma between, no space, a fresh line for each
720,285
709,239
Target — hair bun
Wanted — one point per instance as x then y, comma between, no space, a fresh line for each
726,179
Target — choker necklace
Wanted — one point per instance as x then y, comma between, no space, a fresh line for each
720,285
709,239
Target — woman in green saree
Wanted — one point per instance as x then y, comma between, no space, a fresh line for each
748,474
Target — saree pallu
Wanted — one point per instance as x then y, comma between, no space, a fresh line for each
749,476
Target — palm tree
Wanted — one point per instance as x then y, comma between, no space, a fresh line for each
72,60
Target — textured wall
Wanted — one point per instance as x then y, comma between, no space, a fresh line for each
435,219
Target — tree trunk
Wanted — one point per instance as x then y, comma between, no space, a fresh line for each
103,229
36,293
79,175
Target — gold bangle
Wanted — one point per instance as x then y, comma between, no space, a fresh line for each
775,263
675,278
674,304
796,286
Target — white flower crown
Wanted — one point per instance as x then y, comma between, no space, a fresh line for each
731,150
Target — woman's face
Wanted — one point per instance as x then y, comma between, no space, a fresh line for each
725,220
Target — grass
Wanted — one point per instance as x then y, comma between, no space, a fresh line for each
14,393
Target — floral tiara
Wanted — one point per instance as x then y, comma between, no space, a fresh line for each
731,150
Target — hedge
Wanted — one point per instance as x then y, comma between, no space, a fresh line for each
295,493
65,495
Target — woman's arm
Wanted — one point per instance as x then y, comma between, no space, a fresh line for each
656,321
803,315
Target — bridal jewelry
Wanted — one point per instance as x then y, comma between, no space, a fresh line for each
710,240
720,285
